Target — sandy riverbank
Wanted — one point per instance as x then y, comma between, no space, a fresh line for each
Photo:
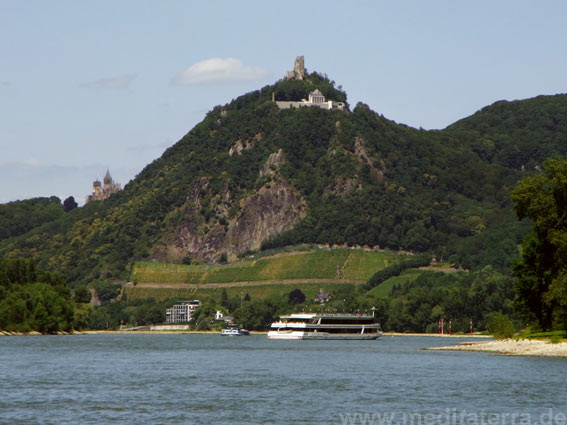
436,335
118,332
512,347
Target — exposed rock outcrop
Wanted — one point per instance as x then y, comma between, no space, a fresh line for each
361,152
345,185
205,230
273,163
239,146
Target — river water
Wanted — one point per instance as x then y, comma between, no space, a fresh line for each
209,379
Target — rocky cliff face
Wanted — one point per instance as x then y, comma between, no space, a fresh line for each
211,226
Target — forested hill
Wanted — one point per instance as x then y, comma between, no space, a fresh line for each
19,217
251,176
519,133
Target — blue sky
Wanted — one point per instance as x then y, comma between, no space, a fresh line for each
86,86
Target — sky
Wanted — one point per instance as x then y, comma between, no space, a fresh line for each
94,85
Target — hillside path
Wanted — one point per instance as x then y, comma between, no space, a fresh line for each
245,283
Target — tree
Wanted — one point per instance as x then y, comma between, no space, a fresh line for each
224,299
296,296
82,294
541,285
154,315
107,290
203,316
255,315
100,319
69,204
500,326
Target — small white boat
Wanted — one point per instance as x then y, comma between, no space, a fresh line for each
234,331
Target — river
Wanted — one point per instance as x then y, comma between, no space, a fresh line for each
209,379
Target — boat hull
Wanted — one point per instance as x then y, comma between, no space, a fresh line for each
235,332
298,335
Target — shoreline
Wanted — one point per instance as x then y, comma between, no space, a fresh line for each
186,331
511,347
121,332
435,335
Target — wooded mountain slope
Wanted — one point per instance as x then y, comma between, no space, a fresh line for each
252,176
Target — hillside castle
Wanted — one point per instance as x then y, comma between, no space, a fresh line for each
315,98
104,190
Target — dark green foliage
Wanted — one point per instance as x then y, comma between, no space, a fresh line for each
82,294
112,315
69,204
519,133
500,326
417,306
259,314
32,300
204,316
541,284
106,290
396,269
296,296
17,218
100,319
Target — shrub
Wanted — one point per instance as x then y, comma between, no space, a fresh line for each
500,326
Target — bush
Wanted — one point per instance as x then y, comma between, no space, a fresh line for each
500,326
82,295
296,296
106,290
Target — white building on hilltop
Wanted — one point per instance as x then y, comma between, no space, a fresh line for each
181,312
316,98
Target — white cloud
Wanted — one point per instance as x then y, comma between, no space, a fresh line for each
218,69
118,82
32,162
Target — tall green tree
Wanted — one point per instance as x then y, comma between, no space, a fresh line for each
541,285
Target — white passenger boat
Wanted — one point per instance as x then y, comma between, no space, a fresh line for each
234,331
325,326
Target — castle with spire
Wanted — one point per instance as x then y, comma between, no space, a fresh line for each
103,190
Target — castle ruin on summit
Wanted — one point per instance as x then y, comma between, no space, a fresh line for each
298,72
316,98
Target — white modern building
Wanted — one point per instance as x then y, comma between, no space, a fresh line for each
181,312
316,98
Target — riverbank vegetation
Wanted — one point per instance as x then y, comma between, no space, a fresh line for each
542,272
33,300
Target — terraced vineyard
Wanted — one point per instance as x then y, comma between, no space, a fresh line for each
383,290
355,266
256,291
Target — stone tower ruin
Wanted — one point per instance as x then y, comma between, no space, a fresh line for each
298,72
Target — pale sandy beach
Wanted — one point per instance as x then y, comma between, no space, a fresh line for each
512,347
